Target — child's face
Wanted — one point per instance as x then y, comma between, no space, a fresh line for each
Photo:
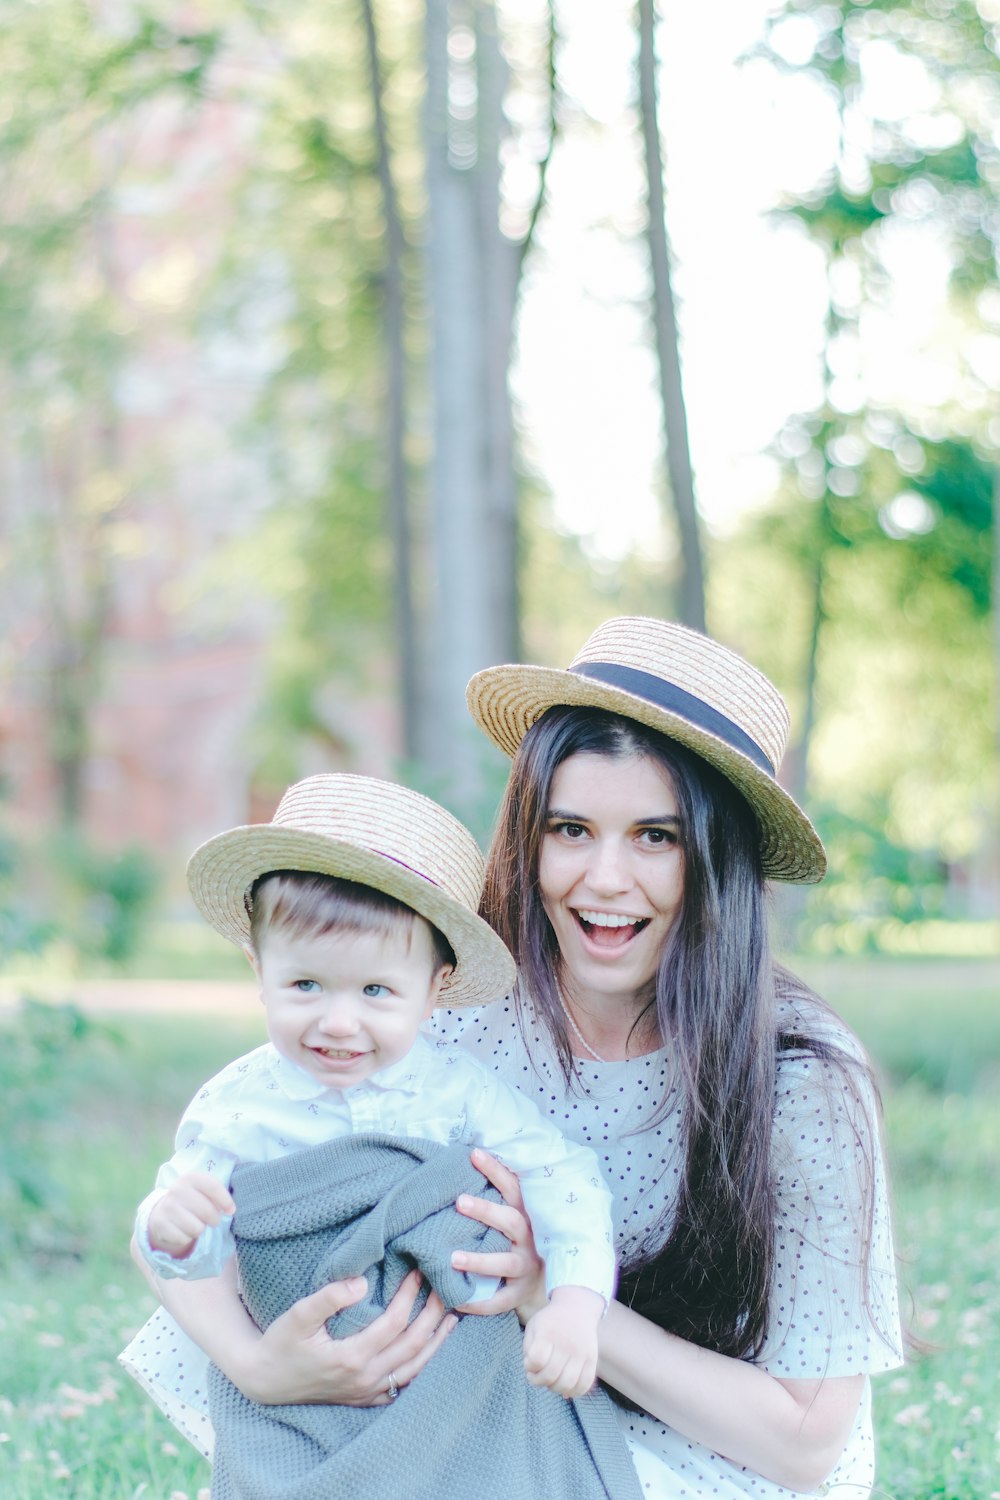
344,1005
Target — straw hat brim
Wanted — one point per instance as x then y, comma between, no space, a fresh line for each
506,700
221,872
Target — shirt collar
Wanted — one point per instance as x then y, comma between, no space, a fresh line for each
406,1075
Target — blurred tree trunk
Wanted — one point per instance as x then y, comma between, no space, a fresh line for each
798,760
86,492
996,666
690,605
394,308
471,288
501,269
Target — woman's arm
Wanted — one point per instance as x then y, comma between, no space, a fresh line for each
789,1431
296,1360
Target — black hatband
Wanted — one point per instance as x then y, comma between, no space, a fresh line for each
676,700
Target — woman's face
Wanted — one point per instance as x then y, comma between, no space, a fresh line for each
611,872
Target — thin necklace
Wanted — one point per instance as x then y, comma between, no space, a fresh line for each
578,1033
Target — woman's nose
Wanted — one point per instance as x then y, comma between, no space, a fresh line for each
608,873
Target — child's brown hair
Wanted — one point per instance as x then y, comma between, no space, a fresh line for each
302,903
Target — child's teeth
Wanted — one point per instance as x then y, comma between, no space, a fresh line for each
609,919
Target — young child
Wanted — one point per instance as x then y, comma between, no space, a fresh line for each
357,906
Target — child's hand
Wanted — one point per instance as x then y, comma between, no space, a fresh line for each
560,1341
185,1211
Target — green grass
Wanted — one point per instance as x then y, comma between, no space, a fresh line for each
933,1028
167,950
73,1424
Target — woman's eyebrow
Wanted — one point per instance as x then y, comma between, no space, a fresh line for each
563,815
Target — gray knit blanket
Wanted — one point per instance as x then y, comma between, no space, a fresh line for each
469,1427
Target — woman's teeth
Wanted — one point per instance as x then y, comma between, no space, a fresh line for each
608,919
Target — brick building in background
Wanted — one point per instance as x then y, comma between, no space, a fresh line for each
123,523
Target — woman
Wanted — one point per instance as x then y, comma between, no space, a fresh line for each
733,1113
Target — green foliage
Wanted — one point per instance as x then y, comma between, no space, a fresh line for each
872,877
21,930
959,482
904,738
66,893
104,897
56,147
885,522
301,271
81,88
42,1051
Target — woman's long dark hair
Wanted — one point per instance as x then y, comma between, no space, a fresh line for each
714,1006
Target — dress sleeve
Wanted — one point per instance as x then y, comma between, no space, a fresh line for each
834,1304
565,1195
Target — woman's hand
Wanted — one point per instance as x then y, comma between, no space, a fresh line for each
296,1360
521,1267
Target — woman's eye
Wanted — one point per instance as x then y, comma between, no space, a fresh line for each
570,830
375,991
659,836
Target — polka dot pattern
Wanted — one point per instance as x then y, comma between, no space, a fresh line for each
173,1372
823,1320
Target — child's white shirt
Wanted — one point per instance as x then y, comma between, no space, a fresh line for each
263,1106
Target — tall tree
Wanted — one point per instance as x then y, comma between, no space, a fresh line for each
63,144
473,269
899,486
394,320
691,592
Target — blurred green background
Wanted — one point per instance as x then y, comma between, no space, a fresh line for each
348,348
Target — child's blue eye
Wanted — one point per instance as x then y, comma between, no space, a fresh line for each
375,991
305,986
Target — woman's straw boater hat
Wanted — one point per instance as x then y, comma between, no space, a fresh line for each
375,833
689,688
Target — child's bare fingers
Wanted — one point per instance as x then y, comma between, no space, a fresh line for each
211,1213
209,1187
539,1357
576,1379
547,1374
566,1382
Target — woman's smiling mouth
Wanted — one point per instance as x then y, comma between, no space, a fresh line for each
608,929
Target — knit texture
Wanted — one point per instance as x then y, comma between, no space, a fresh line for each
469,1425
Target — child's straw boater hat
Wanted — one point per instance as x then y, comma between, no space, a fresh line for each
375,833
689,688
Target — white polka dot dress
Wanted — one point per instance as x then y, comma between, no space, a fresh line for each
823,1320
